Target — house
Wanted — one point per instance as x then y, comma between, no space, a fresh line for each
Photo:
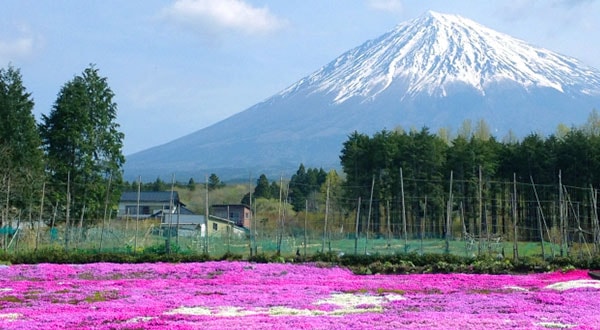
220,227
183,225
145,204
239,214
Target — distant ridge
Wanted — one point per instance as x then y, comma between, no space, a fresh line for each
435,71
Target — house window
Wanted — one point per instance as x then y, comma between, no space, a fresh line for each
215,226
133,210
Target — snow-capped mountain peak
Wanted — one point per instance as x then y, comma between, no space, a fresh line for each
435,51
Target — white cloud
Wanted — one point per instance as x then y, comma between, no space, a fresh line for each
13,49
215,15
386,5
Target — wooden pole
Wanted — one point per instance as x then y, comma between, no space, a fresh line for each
168,241
206,240
105,210
305,223
369,216
356,227
423,223
252,225
326,214
594,197
279,217
561,213
464,226
137,218
540,215
6,222
37,232
449,214
67,229
480,218
404,231
515,220
389,232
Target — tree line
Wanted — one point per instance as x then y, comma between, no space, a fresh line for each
425,181
70,162
417,175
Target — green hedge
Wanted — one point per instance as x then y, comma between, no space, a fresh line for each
359,264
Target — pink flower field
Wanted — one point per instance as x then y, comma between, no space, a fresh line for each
242,295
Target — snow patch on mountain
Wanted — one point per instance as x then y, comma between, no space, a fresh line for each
435,51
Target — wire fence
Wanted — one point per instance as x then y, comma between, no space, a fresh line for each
500,219
150,237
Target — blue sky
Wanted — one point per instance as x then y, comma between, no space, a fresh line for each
178,66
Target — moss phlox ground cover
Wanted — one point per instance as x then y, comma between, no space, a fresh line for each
242,295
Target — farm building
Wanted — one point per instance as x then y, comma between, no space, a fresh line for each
239,214
220,227
187,224
145,204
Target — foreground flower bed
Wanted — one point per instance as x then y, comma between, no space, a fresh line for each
241,295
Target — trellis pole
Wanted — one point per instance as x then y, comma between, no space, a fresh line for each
105,210
561,214
480,218
137,218
514,213
305,223
37,232
404,231
448,214
423,223
369,216
356,227
595,226
325,222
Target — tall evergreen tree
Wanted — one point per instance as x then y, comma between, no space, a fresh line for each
262,190
214,182
20,152
83,144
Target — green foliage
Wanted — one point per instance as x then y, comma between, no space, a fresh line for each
214,182
21,163
303,184
264,189
191,184
60,256
83,145
229,256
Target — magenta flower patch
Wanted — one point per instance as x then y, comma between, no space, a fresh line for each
242,295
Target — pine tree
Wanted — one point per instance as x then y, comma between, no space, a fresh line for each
20,153
83,143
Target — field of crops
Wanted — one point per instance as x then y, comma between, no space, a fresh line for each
242,295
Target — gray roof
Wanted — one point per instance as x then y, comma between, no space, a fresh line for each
149,196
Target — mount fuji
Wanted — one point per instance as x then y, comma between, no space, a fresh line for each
435,71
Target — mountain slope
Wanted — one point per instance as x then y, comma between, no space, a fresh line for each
436,71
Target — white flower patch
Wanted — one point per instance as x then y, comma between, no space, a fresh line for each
287,311
554,325
233,311
348,303
393,297
10,316
575,284
190,311
221,311
139,319
351,300
514,288
5,289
